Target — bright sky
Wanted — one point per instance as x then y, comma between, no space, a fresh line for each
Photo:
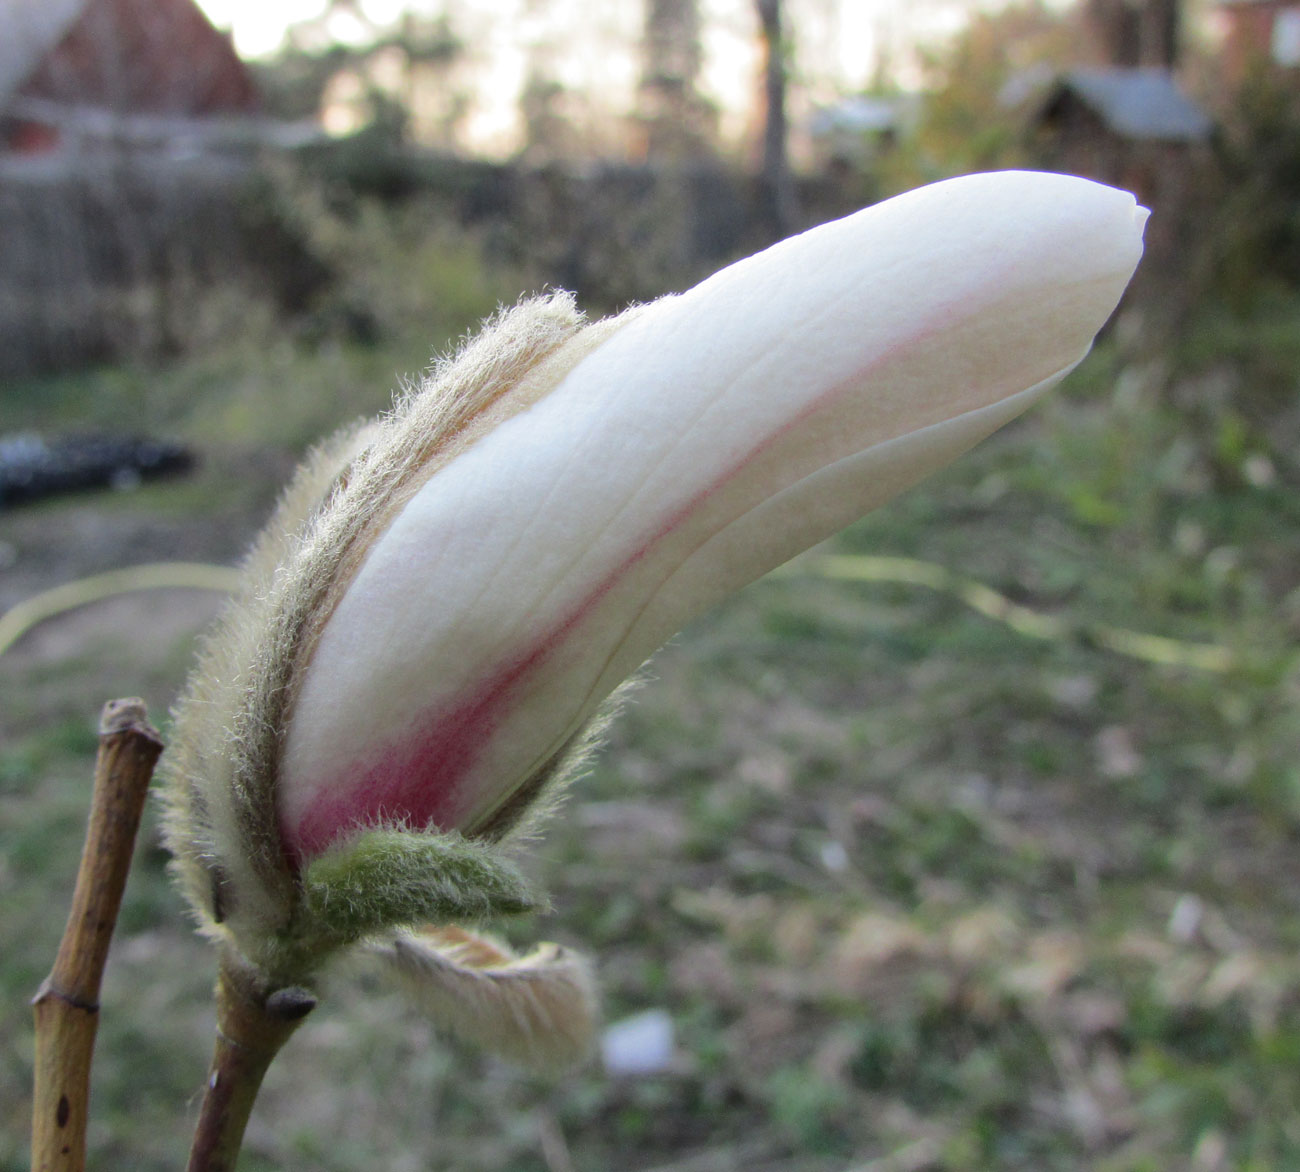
592,45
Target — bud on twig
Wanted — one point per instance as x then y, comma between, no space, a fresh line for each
436,619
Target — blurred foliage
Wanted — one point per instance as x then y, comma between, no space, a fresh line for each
967,125
966,122
404,285
380,75
1255,246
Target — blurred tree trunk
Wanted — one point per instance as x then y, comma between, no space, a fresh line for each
780,203
1161,21
677,120
1117,28
1134,33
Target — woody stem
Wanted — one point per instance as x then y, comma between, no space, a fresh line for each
252,1025
66,1007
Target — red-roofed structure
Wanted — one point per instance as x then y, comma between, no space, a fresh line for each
63,59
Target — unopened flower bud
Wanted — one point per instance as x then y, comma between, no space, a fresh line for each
449,597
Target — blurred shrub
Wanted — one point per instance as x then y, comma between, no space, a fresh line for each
110,253
1255,243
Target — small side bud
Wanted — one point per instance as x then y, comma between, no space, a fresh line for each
291,1004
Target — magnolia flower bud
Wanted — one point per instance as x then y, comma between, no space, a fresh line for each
450,596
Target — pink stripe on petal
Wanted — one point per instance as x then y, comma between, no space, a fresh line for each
434,774
420,780
415,781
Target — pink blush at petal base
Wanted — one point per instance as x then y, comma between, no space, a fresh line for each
418,781
414,782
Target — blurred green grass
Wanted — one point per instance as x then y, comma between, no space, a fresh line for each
918,893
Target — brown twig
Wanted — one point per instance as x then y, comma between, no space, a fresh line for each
67,1005
252,1025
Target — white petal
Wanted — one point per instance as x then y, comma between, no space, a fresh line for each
707,440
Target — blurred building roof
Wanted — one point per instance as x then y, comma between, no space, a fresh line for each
28,31
856,129
863,114
1132,103
127,57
